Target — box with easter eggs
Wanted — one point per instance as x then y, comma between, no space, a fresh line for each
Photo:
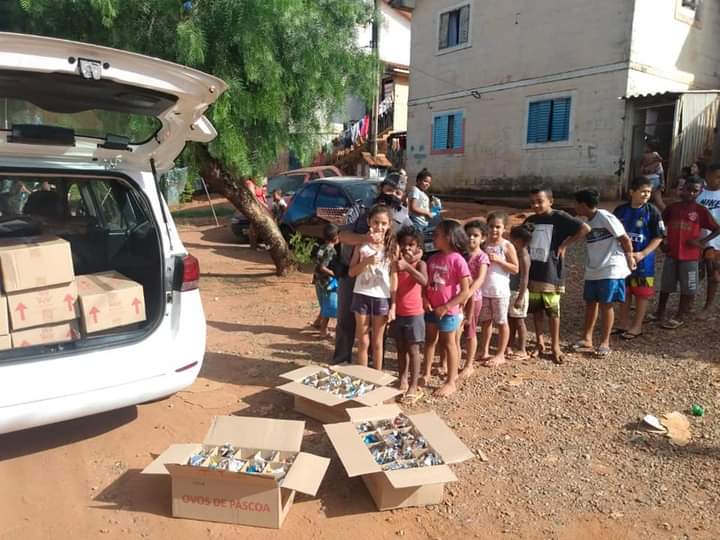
246,471
325,393
402,459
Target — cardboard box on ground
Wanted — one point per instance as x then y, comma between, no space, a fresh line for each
398,481
244,498
328,407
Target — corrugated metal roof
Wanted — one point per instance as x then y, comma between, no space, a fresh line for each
675,93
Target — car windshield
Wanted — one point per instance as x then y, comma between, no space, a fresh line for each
365,192
95,123
287,184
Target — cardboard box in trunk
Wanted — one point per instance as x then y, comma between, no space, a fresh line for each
36,261
329,408
258,500
401,487
109,300
40,307
4,322
46,335
5,343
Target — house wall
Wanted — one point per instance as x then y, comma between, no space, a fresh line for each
520,49
671,51
495,158
394,37
400,115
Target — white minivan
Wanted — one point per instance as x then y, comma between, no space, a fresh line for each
84,133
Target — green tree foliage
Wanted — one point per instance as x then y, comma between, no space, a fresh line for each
289,65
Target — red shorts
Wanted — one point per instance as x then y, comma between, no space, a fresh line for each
641,287
473,317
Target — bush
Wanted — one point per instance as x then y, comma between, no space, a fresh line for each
302,249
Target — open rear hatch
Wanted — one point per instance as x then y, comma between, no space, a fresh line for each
80,238
73,101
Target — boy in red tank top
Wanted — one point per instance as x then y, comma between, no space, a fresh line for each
409,326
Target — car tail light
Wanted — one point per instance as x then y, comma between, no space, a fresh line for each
187,274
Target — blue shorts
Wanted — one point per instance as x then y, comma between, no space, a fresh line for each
604,291
449,323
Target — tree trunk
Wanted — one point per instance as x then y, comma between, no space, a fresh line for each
243,199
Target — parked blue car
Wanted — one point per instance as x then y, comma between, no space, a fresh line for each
332,200
335,200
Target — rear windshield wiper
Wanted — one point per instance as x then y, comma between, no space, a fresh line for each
116,142
39,134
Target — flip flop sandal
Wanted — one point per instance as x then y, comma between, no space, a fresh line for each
412,399
580,346
559,359
672,324
618,331
602,352
629,336
651,317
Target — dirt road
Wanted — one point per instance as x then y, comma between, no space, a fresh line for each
561,457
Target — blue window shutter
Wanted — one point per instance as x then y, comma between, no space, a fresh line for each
560,126
458,135
440,133
539,121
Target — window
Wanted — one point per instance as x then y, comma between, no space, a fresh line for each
303,203
689,11
549,121
448,133
331,197
454,28
287,184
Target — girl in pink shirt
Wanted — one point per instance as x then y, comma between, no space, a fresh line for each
447,290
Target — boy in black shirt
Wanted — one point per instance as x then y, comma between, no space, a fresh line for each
554,231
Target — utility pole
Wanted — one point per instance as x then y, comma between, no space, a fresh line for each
376,93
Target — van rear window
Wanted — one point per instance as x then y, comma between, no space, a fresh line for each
94,123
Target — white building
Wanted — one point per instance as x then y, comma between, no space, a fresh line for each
394,52
508,94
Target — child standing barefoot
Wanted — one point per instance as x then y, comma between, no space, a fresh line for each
324,279
478,262
409,325
496,290
375,285
447,290
520,237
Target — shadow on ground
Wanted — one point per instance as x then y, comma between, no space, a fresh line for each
137,492
39,439
240,370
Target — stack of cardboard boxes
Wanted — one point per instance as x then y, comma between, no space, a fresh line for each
43,302
38,280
